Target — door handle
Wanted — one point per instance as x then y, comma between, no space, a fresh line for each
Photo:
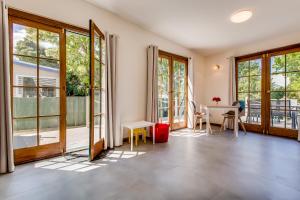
268,91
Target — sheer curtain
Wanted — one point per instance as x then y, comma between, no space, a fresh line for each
152,95
232,87
6,145
113,136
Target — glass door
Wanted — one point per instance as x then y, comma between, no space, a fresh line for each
97,85
179,94
283,92
250,90
172,90
37,92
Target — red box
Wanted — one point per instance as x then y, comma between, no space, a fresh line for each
161,132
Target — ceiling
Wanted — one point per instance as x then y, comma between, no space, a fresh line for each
204,25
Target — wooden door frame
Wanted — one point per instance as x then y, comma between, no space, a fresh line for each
28,154
266,83
173,57
50,150
94,148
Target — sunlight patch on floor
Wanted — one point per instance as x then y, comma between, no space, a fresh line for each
82,164
188,133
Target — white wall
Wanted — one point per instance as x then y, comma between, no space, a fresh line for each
218,82
133,42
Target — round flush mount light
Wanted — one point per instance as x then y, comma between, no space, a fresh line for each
241,16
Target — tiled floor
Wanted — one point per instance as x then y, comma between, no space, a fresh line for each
190,166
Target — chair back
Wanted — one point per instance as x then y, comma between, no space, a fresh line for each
194,107
241,104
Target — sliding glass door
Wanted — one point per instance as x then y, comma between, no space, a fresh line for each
37,93
172,90
269,84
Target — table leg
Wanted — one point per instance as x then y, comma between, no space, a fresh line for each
207,122
236,125
131,135
153,133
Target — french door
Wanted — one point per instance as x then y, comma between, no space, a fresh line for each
269,84
97,85
172,90
37,68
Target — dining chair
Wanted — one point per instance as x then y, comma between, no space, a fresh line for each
197,116
230,115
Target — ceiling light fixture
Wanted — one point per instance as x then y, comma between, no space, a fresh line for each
241,16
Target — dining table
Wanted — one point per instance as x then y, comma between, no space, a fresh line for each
223,107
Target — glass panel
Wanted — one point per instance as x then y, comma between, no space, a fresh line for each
255,67
292,119
24,40
277,118
25,102
97,46
103,53
103,78
243,68
97,134
278,82
163,89
255,83
48,44
97,73
293,81
97,102
255,108
25,133
293,62
278,64
49,130
293,100
49,101
49,73
243,84
25,71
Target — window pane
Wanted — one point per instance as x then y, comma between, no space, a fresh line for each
49,101
97,73
97,46
291,119
25,132
103,53
97,124
278,104
24,40
277,118
277,64
48,44
293,62
243,84
243,68
49,73
255,67
278,82
255,108
255,83
97,102
293,81
25,71
24,102
293,100
49,130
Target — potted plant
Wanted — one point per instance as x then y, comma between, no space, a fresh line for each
216,99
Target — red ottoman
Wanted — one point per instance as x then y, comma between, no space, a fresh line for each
161,132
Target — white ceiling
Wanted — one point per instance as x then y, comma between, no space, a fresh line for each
204,25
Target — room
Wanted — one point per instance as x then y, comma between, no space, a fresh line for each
160,99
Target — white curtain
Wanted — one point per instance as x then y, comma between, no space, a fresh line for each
232,87
6,144
113,136
152,88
